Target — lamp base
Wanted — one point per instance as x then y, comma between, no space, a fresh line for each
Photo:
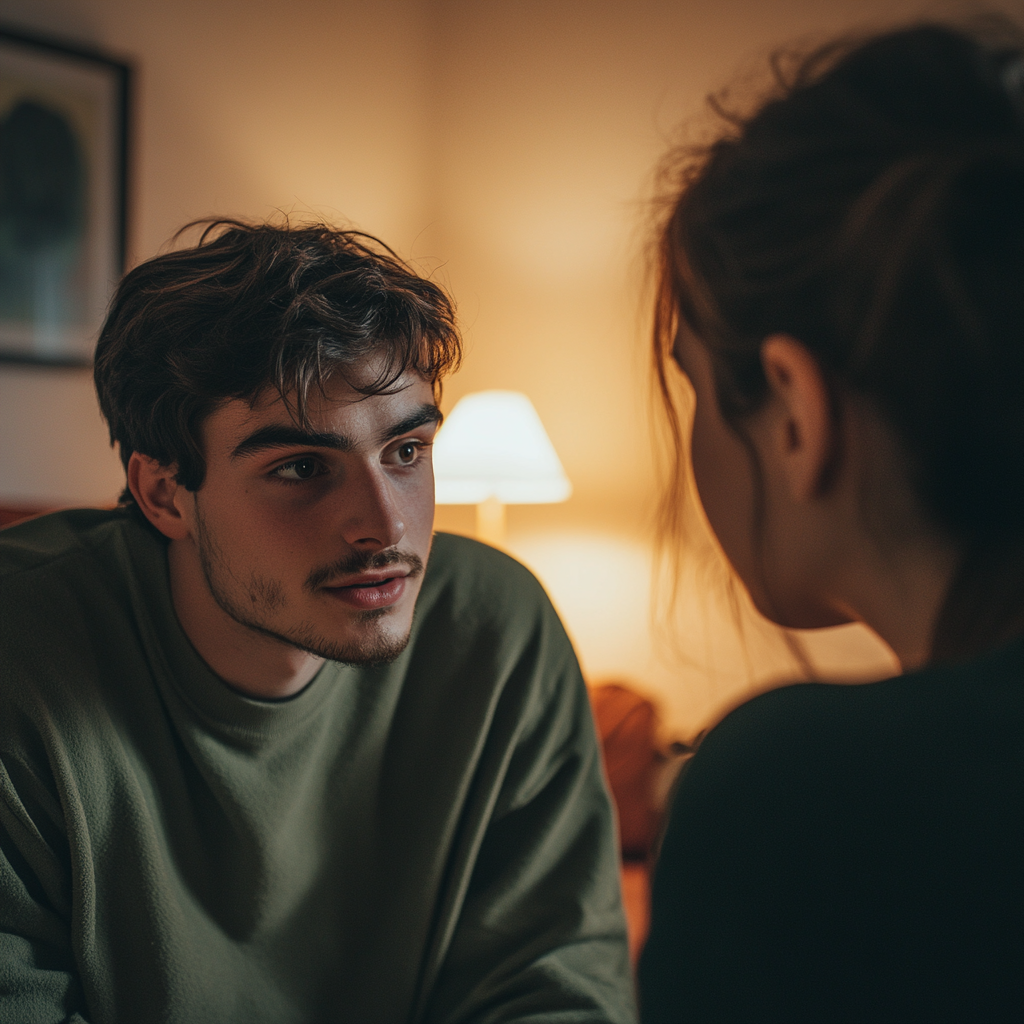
490,522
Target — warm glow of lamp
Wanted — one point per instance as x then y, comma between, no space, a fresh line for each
493,451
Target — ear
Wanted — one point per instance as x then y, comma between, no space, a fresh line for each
159,495
804,434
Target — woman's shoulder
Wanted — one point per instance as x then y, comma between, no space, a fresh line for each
929,741
917,707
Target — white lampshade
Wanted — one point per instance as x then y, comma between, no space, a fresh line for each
493,445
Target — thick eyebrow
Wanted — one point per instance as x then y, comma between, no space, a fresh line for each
280,435
420,418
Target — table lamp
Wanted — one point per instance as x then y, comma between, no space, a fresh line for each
491,452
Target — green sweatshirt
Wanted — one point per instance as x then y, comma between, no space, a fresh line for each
426,841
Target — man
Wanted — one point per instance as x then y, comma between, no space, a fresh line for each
269,749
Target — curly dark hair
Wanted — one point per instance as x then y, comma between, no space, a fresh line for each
252,308
873,208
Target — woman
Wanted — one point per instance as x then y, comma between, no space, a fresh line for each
843,285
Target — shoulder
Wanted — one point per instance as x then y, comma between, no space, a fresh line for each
473,581
42,544
69,593
898,746
934,706
61,567
486,635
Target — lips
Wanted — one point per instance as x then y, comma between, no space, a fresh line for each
371,590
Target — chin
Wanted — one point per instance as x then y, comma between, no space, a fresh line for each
379,650
376,643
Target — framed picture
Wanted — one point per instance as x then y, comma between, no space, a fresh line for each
63,166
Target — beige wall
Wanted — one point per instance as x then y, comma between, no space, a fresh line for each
510,147
240,109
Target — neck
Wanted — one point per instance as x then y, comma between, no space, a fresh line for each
900,595
250,662
893,567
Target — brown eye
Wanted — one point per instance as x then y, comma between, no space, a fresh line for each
407,453
300,469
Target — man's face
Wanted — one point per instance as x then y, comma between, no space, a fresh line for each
318,536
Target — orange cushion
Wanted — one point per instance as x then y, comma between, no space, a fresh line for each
627,727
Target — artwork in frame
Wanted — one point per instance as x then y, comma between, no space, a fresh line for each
63,164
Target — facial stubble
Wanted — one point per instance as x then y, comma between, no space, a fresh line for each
266,597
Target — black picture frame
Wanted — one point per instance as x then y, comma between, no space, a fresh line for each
64,127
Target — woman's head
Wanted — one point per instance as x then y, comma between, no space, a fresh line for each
873,210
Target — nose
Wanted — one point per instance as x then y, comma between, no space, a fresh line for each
372,519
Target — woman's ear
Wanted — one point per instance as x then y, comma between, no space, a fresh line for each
804,434
156,492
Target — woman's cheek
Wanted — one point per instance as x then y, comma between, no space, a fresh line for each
721,468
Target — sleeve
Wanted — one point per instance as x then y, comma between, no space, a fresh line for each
38,980
541,935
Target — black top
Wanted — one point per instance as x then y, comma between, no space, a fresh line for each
849,853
